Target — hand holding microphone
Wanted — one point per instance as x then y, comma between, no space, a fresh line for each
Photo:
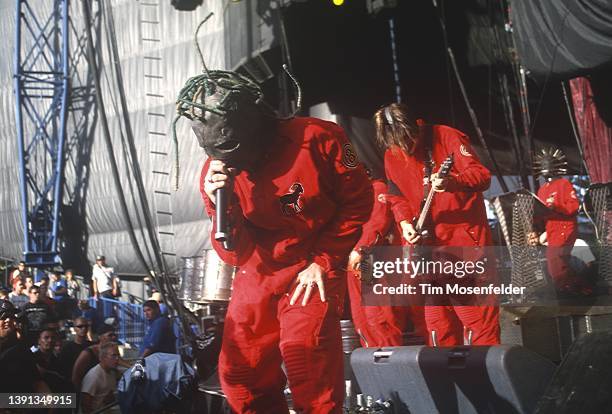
216,182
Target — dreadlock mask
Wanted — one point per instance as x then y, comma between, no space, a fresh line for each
238,135
550,163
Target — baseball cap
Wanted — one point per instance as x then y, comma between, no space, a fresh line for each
7,310
100,257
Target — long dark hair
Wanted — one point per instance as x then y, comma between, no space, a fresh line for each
396,126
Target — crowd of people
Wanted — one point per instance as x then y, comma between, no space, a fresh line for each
52,340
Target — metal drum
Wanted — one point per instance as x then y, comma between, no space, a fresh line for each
206,279
350,337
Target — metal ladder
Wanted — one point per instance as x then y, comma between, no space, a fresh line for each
160,159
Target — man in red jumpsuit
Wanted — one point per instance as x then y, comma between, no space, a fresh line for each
457,213
298,199
561,226
379,326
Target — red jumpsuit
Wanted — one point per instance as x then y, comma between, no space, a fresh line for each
306,202
380,325
459,219
561,229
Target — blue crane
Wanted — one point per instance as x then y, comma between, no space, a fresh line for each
41,92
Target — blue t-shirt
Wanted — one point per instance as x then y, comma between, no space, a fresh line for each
159,336
61,283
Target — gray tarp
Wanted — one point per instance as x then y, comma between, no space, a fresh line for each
94,219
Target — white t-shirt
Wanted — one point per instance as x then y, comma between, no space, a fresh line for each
100,384
103,275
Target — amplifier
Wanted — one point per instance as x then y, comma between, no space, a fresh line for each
461,380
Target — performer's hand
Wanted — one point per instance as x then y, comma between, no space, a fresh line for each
533,239
219,175
354,260
307,279
409,232
439,184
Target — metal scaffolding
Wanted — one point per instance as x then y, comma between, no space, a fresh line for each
41,93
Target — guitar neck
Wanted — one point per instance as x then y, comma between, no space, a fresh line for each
423,216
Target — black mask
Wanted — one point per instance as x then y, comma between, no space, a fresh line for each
238,138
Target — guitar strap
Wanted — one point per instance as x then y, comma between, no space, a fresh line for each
427,160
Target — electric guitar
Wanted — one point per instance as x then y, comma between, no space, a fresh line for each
419,223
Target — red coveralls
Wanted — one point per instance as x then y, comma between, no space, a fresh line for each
459,219
561,229
306,202
380,325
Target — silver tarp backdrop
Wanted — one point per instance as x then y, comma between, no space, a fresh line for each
156,56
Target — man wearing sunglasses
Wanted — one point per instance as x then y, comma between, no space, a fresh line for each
71,350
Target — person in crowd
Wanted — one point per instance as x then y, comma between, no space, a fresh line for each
45,295
73,287
103,279
18,296
104,284
85,310
4,293
297,200
19,273
159,336
59,293
29,282
36,315
72,349
47,361
18,368
100,383
458,213
57,286
90,356
163,308
560,222
379,325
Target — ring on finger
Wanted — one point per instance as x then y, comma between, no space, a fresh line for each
304,285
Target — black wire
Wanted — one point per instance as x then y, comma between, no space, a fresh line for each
127,157
91,57
167,291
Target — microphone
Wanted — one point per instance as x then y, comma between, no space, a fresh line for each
222,234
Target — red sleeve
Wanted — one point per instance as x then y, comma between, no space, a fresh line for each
352,192
240,231
380,219
565,202
400,207
469,175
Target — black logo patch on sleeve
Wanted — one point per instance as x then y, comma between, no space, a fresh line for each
349,157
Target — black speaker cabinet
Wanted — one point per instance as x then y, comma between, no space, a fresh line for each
583,381
459,380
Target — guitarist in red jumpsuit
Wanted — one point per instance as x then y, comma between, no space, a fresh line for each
561,226
457,213
378,326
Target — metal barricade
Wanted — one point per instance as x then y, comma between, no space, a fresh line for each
129,316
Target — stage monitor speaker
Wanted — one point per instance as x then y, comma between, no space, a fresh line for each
460,380
583,381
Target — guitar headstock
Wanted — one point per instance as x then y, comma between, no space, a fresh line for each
446,166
